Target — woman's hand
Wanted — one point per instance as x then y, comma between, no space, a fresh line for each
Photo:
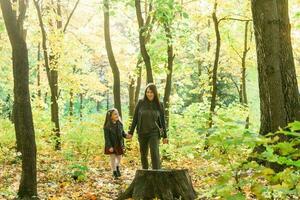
165,141
111,149
128,136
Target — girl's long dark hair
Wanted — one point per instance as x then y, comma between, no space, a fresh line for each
153,88
108,122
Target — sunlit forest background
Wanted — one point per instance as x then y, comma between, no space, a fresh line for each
215,143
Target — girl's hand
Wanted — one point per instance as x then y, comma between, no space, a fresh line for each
111,149
128,136
165,141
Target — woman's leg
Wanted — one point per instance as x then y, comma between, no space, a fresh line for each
144,149
154,151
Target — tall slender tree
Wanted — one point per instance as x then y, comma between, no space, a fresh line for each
142,39
214,74
138,82
22,107
111,58
168,87
51,64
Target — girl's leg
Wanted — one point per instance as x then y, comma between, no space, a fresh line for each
118,160
113,162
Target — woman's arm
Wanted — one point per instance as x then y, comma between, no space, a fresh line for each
135,118
163,121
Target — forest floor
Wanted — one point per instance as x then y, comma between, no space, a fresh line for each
56,169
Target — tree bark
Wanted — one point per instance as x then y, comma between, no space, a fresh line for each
160,184
22,106
149,22
52,72
71,103
131,88
111,58
142,40
39,92
138,80
287,66
243,93
98,105
52,79
243,78
168,86
216,64
80,105
279,96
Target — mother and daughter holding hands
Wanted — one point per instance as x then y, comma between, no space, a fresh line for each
149,119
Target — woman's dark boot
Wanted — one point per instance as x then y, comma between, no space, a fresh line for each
118,171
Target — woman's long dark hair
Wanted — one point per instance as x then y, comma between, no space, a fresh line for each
153,88
108,122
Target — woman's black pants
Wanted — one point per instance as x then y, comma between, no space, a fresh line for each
151,142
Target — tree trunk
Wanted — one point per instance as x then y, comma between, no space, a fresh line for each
22,107
287,66
243,78
111,58
39,93
168,86
279,96
138,80
98,106
216,64
52,60
80,105
161,184
149,22
131,96
142,39
243,91
199,65
71,103
45,97
52,78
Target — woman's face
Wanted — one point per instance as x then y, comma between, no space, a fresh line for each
149,94
114,116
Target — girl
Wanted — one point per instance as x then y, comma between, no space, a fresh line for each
114,142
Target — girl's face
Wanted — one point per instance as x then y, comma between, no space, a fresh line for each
149,94
114,116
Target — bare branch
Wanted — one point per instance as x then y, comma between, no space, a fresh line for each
70,16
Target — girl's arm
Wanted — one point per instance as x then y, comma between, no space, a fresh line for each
107,138
124,134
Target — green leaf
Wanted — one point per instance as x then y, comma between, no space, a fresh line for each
185,15
238,196
295,126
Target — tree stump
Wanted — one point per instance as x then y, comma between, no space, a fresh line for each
161,184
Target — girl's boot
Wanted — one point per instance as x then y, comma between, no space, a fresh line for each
118,171
115,174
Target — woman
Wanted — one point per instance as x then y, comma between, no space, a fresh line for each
149,119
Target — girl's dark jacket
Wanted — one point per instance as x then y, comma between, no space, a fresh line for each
136,121
114,136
